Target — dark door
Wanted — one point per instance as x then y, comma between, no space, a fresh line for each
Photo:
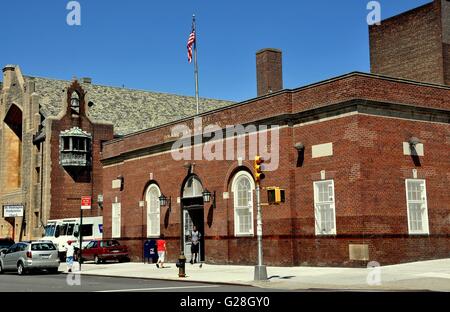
192,205
194,215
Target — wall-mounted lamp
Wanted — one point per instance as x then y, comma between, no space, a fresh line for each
121,182
207,197
413,145
164,201
413,141
300,147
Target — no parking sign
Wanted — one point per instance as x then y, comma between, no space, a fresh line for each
86,202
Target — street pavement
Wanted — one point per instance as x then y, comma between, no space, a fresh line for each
431,275
44,282
417,276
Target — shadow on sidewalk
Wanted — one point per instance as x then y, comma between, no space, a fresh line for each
281,277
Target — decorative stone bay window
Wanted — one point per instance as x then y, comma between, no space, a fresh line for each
75,148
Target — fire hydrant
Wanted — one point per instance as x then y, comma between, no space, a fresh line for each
181,265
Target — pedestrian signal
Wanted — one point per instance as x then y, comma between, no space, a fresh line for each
275,195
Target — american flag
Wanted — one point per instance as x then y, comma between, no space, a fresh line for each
190,43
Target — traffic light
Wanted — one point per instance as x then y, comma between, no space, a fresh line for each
275,195
258,167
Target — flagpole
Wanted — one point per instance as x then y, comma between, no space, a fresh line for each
195,63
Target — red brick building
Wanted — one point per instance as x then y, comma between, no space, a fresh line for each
364,160
77,146
414,45
50,149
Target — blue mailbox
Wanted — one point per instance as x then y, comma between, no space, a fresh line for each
150,251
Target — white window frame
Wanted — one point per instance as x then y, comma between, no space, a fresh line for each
196,186
425,226
152,233
116,216
317,216
237,177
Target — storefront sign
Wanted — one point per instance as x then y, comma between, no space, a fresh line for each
11,211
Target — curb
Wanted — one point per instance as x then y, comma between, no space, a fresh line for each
274,289
165,279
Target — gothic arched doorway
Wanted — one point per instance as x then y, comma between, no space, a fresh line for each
193,212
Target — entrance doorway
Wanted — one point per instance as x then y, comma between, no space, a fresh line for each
193,212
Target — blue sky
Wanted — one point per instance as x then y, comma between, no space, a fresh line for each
142,43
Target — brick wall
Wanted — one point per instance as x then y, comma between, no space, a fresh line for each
447,62
409,45
221,245
368,87
66,188
367,166
341,89
369,171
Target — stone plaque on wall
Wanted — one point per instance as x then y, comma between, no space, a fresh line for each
358,252
116,183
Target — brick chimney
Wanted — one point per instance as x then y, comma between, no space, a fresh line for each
269,74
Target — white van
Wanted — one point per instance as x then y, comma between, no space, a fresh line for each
61,231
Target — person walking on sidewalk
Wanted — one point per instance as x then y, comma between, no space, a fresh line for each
69,256
161,247
195,240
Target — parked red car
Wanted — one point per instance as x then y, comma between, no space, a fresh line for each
105,249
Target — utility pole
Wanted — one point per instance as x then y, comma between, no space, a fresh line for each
86,203
81,238
260,268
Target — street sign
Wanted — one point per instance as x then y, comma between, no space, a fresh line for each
10,211
85,202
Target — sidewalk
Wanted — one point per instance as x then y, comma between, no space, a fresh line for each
425,275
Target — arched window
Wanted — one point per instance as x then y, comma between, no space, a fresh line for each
153,211
193,188
242,188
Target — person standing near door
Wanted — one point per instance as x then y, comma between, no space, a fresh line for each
195,243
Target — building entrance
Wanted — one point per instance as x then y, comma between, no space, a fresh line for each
193,212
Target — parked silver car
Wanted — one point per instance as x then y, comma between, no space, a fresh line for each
31,255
